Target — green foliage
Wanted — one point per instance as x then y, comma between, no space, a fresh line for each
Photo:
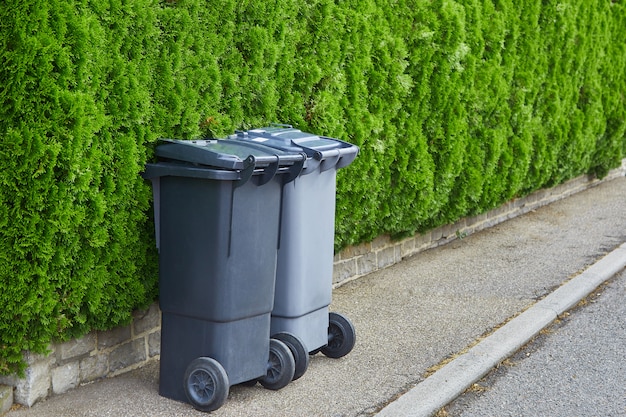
457,106
73,248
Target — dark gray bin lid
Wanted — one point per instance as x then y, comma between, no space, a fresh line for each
179,157
223,154
175,169
321,151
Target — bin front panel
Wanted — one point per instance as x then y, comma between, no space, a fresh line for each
241,347
218,247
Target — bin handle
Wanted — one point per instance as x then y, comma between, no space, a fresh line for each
268,172
248,169
346,157
333,158
330,161
295,169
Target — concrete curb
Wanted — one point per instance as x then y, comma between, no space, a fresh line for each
453,379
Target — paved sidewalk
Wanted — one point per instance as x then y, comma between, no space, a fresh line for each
413,316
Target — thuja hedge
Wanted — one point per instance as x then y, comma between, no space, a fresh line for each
458,106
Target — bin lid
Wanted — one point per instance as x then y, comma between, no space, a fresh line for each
329,151
290,138
178,169
223,154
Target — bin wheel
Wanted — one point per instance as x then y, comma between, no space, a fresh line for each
341,336
206,384
299,352
280,366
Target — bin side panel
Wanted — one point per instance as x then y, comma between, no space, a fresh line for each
311,328
305,258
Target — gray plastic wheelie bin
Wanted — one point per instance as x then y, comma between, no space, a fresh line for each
305,256
217,217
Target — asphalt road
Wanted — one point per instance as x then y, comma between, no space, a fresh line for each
575,368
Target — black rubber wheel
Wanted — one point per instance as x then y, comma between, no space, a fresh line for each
280,366
341,336
298,350
206,384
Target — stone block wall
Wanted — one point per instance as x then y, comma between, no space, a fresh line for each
6,398
109,353
97,355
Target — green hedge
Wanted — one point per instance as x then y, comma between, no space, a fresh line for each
458,106
75,97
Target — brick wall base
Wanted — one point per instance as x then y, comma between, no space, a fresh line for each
109,353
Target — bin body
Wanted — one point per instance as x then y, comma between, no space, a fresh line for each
212,243
305,259
217,265
304,271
